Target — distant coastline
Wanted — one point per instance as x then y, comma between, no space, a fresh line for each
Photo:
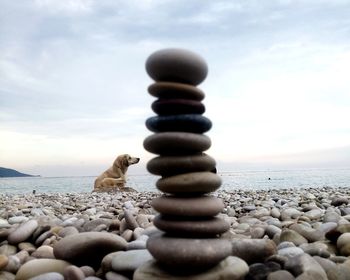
8,172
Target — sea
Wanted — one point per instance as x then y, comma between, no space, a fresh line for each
238,180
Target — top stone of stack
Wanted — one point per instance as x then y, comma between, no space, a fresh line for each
177,65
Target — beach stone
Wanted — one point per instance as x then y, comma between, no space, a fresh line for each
142,221
93,224
13,264
271,230
305,264
340,271
8,250
48,276
88,248
327,226
253,250
17,219
280,274
290,214
166,107
201,206
315,249
106,263
3,261
69,230
314,214
73,272
27,246
170,90
43,252
343,244
275,212
136,245
129,261
187,123
40,266
337,201
177,65
257,271
292,236
111,275
331,216
87,270
176,143
5,275
127,235
310,234
187,252
173,165
326,264
195,182
290,252
130,220
194,227
23,232
333,235
232,268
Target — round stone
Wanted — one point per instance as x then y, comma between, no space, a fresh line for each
169,90
202,206
40,266
191,227
88,248
190,183
129,261
176,143
166,107
232,268
188,253
185,123
23,232
172,165
177,65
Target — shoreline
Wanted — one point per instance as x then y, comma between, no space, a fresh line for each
290,232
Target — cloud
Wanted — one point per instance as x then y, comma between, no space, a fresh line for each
73,83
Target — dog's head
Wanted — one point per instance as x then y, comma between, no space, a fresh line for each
125,160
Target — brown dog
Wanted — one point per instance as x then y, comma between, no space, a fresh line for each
113,179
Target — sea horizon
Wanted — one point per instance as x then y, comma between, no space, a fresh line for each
231,180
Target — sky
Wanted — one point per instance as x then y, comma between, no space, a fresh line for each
73,85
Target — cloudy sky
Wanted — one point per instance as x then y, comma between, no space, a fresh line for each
73,86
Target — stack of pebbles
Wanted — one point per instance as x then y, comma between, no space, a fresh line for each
187,216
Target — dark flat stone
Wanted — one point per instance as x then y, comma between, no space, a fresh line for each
166,107
177,65
169,90
191,227
172,165
188,253
88,248
190,183
176,143
201,206
184,123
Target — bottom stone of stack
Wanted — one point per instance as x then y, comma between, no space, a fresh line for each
232,268
188,254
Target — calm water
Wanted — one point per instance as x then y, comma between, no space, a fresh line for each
279,179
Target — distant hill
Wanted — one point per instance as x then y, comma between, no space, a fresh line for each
7,172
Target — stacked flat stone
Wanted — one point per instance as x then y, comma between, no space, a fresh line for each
188,215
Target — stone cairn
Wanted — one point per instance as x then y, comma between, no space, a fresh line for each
188,215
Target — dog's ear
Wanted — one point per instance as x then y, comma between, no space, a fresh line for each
126,160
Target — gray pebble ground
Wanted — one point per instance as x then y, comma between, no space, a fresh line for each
275,234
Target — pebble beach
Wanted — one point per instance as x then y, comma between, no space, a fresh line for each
273,234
